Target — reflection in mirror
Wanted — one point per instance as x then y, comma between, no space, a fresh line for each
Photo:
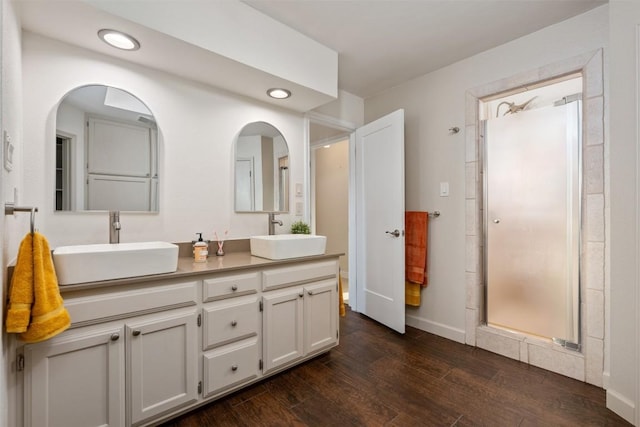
106,152
261,170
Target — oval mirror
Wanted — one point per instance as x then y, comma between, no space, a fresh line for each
261,169
106,152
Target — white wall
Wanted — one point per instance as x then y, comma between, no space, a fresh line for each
198,126
332,198
434,103
12,229
624,384
347,107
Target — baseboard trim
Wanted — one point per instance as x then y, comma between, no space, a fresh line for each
605,380
621,406
436,328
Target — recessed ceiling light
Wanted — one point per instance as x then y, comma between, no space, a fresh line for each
279,93
118,39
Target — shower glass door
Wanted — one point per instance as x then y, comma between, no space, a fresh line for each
532,221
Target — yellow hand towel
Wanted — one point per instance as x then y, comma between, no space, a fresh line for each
36,309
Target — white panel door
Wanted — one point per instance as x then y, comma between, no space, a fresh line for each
379,217
245,192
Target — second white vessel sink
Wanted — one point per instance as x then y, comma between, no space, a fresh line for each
92,263
285,246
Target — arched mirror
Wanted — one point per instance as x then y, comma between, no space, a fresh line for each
261,169
106,152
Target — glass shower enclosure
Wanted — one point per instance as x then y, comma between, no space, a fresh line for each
532,190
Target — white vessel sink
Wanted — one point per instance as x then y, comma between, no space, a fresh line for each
285,246
92,263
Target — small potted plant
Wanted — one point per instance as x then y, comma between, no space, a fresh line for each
299,227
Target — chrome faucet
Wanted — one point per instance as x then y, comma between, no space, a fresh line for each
114,226
272,222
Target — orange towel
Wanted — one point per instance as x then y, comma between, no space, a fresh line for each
416,236
36,309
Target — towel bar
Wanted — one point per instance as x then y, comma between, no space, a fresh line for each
10,209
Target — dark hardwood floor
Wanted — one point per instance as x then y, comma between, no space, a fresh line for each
376,377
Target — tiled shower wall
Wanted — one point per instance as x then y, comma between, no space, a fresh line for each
587,365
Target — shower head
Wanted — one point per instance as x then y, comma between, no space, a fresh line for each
513,107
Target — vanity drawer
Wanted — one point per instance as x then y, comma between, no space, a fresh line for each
296,274
230,320
231,365
227,286
101,307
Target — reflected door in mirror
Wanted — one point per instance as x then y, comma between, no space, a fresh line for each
106,152
261,169
118,166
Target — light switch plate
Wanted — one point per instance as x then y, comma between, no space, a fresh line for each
298,190
444,189
299,208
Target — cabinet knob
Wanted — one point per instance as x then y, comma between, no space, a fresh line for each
135,333
234,287
310,292
234,368
301,294
234,323
115,336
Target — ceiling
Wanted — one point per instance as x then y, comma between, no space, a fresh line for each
382,43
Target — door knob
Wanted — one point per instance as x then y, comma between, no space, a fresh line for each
496,221
394,233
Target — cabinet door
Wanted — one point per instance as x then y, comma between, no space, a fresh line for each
320,316
282,328
75,379
162,358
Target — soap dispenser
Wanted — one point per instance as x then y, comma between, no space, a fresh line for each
200,249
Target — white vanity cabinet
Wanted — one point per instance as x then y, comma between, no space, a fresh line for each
301,316
141,352
76,379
